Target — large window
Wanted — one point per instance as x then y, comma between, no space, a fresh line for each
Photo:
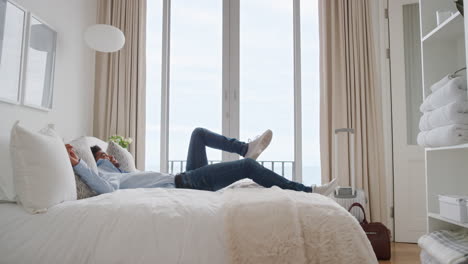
195,75
310,92
153,84
233,67
267,77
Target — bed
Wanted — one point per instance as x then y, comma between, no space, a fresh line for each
243,223
235,225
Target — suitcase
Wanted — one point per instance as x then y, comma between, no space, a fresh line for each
378,235
346,196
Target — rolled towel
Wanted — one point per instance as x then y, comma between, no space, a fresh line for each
444,136
453,91
453,113
440,83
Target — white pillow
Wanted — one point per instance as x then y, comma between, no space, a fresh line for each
83,191
42,173
83,151
7,189
125,158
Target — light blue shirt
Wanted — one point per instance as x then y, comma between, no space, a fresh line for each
111,178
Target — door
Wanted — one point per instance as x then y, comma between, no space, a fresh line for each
409,170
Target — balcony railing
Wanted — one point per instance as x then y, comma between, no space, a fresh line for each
281,167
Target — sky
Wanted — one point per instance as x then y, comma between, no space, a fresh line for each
266,77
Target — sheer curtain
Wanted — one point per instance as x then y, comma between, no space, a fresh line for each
350,98
119,106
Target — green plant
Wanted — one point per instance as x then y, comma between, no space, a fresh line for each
122,141
459,4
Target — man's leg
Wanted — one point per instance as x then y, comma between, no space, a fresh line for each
218,176
202,138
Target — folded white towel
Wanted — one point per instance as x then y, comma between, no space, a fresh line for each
444,136
427,258
453,113
446,247
440,83
453,91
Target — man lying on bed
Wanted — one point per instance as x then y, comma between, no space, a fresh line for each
198,175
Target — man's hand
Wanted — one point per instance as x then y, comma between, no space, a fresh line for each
72,155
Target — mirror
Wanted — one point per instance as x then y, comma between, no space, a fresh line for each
12,20
413,70
38,89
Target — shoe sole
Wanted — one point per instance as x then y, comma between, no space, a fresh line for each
263,145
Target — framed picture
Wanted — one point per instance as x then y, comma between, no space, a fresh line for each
40,64
12,41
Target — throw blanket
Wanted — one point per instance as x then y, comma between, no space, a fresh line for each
281,226
446,247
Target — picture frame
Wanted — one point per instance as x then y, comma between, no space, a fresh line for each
27,58
13,21
39,70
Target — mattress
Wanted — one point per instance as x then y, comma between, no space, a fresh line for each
146,226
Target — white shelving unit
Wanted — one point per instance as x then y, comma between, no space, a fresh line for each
443,52
445,220
452,28
448,147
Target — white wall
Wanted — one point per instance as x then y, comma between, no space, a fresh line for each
74,76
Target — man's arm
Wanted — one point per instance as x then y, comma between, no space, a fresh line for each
98,184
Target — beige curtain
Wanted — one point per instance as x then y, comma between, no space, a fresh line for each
349,98
119,106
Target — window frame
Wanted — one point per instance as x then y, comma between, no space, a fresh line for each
230,81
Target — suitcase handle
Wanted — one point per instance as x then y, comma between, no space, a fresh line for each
364,221
350,131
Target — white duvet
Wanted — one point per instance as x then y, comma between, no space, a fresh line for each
163,226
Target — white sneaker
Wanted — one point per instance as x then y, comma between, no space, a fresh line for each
325,189
257,146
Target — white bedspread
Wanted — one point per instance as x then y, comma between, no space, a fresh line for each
156,226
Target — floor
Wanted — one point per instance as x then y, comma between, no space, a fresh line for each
403,253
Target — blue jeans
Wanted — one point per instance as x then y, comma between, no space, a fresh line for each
201,176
